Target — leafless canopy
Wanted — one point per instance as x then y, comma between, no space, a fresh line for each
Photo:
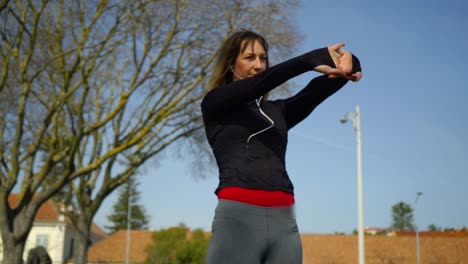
86,85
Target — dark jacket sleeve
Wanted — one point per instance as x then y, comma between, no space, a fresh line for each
222,99
299,106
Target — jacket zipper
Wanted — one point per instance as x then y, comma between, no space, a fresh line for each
257,101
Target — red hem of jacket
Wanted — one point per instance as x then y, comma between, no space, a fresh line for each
257,197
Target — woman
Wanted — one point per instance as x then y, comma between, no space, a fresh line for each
38,255
254,221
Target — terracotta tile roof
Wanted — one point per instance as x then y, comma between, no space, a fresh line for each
48,212
113,248
98,230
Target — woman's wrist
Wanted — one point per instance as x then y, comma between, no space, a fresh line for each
320,57
356,65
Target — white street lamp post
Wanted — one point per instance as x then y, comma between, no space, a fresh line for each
356,119
418,256
129,224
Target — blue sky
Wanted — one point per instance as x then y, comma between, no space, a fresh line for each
413,117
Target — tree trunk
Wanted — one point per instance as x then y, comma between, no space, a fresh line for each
83,241
12,252
14,231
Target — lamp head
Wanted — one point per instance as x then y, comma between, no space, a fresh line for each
343,120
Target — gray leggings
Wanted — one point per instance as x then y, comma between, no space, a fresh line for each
250,234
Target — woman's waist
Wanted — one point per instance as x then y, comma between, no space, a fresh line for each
258,197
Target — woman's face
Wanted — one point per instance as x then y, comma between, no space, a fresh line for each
250,62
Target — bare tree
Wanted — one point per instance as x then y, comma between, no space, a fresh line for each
92,90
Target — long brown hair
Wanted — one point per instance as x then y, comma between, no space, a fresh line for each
230,49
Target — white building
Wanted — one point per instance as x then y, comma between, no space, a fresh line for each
54,232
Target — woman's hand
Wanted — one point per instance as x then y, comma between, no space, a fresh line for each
343,59
331,72
344,64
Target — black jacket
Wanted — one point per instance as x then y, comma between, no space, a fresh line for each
248,135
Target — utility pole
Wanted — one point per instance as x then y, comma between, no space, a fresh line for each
418,256
356,119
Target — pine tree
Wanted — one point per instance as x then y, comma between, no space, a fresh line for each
119,217
402,215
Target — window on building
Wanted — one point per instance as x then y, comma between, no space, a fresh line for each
42,240
72,245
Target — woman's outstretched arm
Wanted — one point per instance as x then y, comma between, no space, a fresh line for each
223,98
299,106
